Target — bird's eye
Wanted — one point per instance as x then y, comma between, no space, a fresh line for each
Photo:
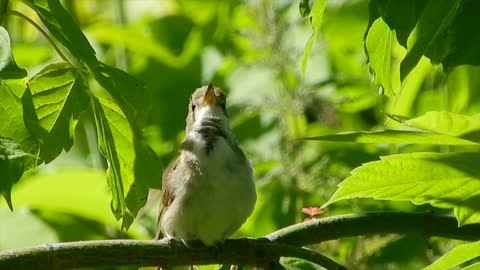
193,106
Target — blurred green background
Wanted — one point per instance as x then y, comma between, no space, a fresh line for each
252,50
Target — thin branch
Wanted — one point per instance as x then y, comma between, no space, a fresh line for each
330,228
34,24
259,252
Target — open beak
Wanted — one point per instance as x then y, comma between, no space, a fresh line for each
209,98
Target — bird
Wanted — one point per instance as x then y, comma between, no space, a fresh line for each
208,191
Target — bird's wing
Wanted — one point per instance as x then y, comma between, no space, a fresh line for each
167,193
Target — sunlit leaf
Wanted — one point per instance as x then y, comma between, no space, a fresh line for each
443,180
17,147
393,136
57,96
475,266
315,16
404,101
442,122
432,25
131,164
379,48
467,212
456,256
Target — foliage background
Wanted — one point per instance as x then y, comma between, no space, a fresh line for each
253,50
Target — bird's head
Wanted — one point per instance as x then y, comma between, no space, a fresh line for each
207,102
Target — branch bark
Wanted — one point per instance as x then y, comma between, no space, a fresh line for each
286,242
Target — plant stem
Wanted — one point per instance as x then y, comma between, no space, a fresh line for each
34,24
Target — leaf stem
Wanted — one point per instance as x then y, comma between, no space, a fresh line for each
34,24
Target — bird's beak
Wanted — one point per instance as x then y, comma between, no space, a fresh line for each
209,98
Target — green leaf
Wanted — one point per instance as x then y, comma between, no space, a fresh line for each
315,17
443,180
467,212
475,266
432,26
13,162
62,26
464,48
403,102
393,136
129,93
131,163
17,146
54,99
456,256
441,30
447,123
298,264
379,48
401,16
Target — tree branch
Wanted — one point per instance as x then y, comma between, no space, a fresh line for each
330,228
259,252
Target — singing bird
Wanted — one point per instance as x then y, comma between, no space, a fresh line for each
208,192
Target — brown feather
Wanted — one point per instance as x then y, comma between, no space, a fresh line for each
167,194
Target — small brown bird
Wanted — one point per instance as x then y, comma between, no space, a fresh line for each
208,191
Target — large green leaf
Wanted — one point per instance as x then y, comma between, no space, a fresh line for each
456,256
120,115
393,136
378,45
315,16
17,147
131,164
439,30
431,28
443,180
54,99
65,30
